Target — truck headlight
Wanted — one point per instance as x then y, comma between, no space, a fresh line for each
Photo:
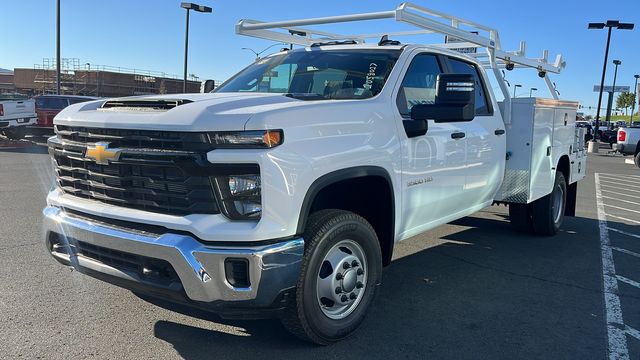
253,139
240,196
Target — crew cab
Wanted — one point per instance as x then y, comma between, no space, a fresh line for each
629,143
16,113
284,191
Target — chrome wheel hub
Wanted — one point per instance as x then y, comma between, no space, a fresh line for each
341,279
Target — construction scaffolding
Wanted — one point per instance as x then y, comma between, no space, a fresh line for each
77,78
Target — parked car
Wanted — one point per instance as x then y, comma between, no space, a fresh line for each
48,106
16,113
609,136
621,123
588,135
629,143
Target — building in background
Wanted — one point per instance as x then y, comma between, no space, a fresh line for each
96,80
6,81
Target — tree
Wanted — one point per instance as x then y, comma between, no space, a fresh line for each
625,100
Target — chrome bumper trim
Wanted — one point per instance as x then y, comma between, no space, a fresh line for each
272,268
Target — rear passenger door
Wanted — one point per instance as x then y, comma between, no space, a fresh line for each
486,140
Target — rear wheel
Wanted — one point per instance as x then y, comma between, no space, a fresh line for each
636,159
548,212
341,269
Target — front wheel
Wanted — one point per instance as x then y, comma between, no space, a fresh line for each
636,159
548,212
341,268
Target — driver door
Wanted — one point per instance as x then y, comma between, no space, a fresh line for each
433,165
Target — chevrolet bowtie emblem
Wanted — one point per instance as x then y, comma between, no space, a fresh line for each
101,153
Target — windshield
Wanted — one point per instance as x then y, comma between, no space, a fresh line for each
317,74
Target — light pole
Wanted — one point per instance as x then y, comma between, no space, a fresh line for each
612,92
514,89
58,47
532,90
257,53
635,98
610,24
198,8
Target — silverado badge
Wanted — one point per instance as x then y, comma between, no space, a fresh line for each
101,153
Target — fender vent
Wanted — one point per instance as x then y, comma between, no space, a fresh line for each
145,105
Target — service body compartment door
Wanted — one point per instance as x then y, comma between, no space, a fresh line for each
536,138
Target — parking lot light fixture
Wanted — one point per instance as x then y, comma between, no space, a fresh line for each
610,24
199,8
635,99
613,91
531,91
514,89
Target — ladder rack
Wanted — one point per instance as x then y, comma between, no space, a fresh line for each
427,21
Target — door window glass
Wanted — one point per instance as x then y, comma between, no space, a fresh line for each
463,67
419,83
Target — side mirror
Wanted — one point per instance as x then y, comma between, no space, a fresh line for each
455,100
207,86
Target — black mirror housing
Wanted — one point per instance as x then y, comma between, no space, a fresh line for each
207,86
455,100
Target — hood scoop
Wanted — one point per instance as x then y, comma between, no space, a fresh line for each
143,104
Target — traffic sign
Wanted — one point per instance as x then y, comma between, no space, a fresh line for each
621,88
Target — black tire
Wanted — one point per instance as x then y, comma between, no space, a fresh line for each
547,213
16,133
520,217
636,159
325,229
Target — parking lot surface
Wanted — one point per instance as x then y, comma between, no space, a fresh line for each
471,289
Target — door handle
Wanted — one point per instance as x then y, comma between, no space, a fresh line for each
499,132
458,135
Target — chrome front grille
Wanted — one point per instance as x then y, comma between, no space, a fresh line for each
145,176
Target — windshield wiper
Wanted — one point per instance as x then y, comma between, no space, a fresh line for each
305,96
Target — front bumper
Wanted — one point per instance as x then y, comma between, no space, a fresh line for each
200,268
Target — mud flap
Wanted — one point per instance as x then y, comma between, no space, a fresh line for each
572,194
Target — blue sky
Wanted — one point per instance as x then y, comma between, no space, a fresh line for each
149,34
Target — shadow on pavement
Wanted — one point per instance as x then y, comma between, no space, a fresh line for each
488,291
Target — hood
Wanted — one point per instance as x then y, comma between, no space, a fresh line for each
178,112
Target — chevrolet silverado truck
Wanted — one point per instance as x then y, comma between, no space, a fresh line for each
16,113
283,192
629,143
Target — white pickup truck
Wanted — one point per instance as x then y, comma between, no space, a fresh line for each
629,143
284,192
16,113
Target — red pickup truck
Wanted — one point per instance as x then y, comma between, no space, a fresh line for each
48,106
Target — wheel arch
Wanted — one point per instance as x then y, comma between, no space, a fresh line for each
355,181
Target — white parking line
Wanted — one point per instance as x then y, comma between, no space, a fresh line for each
625,251
616,199
623,177
615,187
619,184
624,232
617,339
621,208
622,218
628,281
617,193
633,332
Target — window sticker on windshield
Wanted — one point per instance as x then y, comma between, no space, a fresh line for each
370,76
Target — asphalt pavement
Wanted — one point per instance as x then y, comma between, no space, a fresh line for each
472,289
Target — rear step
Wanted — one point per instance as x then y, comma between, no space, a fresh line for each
150,104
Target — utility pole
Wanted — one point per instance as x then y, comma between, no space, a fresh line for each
635,99
58,47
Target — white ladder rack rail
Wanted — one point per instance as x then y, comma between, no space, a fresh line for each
428,22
